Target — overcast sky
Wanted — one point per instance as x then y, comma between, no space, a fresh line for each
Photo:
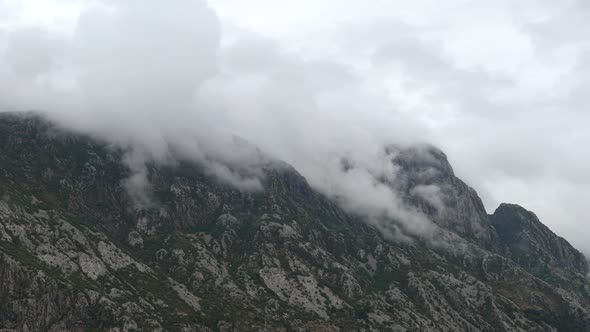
501,86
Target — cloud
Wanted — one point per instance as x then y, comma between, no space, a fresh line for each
154,79
30,52
500,87
431,194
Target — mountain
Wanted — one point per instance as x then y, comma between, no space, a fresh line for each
77,255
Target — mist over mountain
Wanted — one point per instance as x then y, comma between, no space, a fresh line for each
112,80
192,76
78,253
189,166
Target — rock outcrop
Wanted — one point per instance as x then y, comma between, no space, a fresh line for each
77,255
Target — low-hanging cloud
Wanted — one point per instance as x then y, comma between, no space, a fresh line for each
153,78
501,86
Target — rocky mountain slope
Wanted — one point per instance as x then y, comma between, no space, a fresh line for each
76,255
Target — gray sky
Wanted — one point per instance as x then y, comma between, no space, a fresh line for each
501,86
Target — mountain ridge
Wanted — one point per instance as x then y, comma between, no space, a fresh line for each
211,257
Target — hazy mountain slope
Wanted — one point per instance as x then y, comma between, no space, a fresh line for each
76,255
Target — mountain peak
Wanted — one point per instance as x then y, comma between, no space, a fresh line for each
76,255
420,158
532,244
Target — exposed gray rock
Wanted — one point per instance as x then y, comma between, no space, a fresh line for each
75,255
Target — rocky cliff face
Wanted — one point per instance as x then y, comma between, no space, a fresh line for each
428,182
75,254
524,239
